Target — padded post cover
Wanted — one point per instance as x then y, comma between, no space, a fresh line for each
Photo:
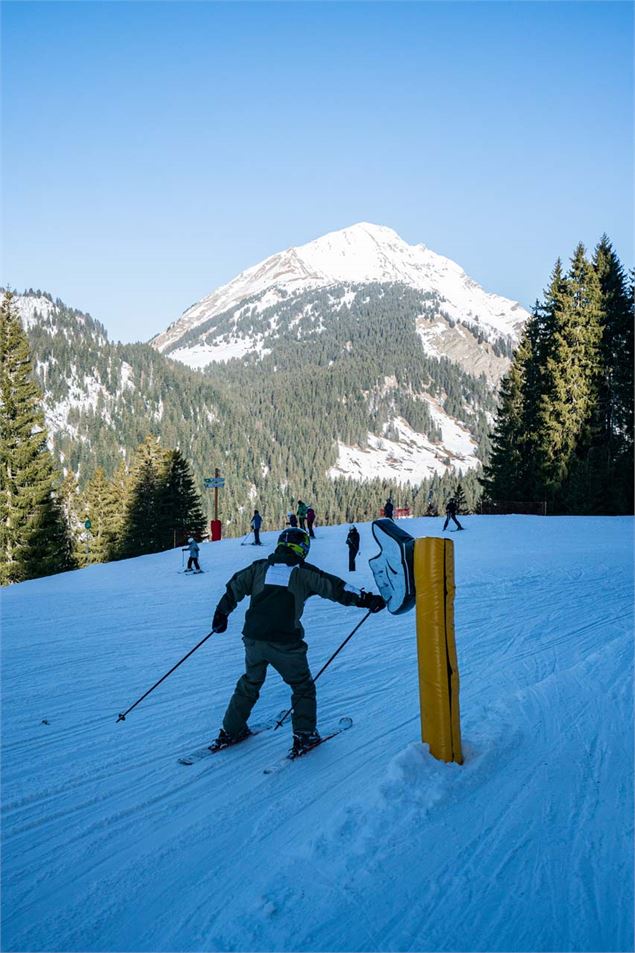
393,567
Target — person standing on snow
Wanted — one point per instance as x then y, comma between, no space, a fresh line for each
192,547
292,520
451,511
256,523
389,508
352,541
279,587
301,513
310,520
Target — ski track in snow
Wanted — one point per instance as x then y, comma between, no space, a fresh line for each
368,843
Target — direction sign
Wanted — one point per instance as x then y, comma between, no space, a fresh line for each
212,482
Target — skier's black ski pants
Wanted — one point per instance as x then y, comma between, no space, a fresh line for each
290,661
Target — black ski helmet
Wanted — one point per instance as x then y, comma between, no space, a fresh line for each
297,540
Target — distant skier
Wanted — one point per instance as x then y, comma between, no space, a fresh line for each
192,548
256,523
451,509
301,513
279,587
310,520
292,520
352,541
389,508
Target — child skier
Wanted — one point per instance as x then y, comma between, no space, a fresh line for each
192,547
273,635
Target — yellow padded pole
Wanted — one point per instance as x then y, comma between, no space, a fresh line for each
436,649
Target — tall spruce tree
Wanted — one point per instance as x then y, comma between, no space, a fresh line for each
34,536
615,408
569,378
506,476
179,505
141,531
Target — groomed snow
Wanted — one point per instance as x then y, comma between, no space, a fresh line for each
367,844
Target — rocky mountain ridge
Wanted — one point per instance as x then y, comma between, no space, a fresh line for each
455,316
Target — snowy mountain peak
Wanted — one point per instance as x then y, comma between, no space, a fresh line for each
358,254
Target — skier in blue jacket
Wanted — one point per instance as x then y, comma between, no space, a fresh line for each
192,548
256,523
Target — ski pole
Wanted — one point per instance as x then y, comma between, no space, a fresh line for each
326,665
122,716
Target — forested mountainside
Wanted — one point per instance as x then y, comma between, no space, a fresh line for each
275,424
327,317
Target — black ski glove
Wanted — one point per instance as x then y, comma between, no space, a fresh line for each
219,622
368,600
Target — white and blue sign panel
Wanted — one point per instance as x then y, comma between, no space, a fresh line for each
211,483
393,567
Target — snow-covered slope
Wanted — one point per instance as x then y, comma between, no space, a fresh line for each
410,457
360,254
368,843
77,369
33,308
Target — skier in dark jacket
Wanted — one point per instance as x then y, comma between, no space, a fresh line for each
292,520
192,548
310,520
352,541
273,635
389,508
451,511
256,523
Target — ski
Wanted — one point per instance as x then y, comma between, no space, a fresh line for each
343,725
199,753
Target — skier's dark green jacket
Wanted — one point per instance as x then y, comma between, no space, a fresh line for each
279,587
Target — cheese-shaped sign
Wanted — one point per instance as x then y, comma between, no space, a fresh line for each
393,567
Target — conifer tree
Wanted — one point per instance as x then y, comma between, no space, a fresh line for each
615,409
34,537
141,532
506,476
569,376
461,502
102,506
179,505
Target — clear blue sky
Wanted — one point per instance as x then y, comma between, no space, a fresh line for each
151,151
